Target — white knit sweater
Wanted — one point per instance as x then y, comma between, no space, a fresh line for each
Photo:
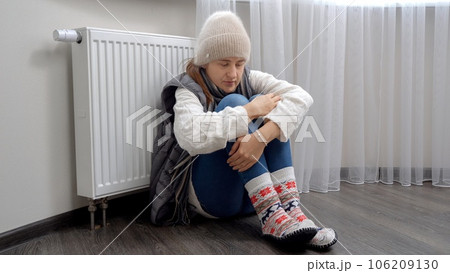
200,132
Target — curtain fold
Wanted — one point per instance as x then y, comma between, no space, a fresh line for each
379,75
270,21
204,8
319,66
441,95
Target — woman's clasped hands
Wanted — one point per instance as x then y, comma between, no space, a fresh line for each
247,149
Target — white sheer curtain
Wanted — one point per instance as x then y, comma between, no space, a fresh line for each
380,77
205,8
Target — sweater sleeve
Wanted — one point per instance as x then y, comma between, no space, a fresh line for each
200,132
293,106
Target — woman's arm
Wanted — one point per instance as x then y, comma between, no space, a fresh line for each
289,112
248,149
279,123
200,132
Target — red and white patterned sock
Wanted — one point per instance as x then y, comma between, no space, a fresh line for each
274,220
285,186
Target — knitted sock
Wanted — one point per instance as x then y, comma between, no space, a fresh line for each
324,238
274,220
285,186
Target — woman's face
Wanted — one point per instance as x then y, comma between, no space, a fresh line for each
226,73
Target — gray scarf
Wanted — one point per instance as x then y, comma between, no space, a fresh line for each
244,88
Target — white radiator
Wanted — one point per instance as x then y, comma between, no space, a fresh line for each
117,79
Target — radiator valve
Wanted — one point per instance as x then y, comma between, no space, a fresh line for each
67,35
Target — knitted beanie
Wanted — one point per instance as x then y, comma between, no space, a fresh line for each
223,35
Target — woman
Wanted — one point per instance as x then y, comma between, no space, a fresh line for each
242,164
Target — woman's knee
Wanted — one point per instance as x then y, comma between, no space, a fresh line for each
232,100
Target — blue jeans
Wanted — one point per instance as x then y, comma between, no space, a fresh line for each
219,189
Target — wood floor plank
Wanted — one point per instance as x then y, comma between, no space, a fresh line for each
370,219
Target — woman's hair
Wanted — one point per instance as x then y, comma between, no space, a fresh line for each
194,72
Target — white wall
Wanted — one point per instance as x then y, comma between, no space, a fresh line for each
37,149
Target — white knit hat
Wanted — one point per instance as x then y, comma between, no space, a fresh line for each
223,35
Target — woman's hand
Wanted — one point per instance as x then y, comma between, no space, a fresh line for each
245,152
261,105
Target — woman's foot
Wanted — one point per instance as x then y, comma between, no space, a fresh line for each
275,222
286,187
324,238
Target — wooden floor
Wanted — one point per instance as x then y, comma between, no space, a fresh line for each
369,219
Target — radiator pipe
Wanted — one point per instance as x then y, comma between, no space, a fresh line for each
67,35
